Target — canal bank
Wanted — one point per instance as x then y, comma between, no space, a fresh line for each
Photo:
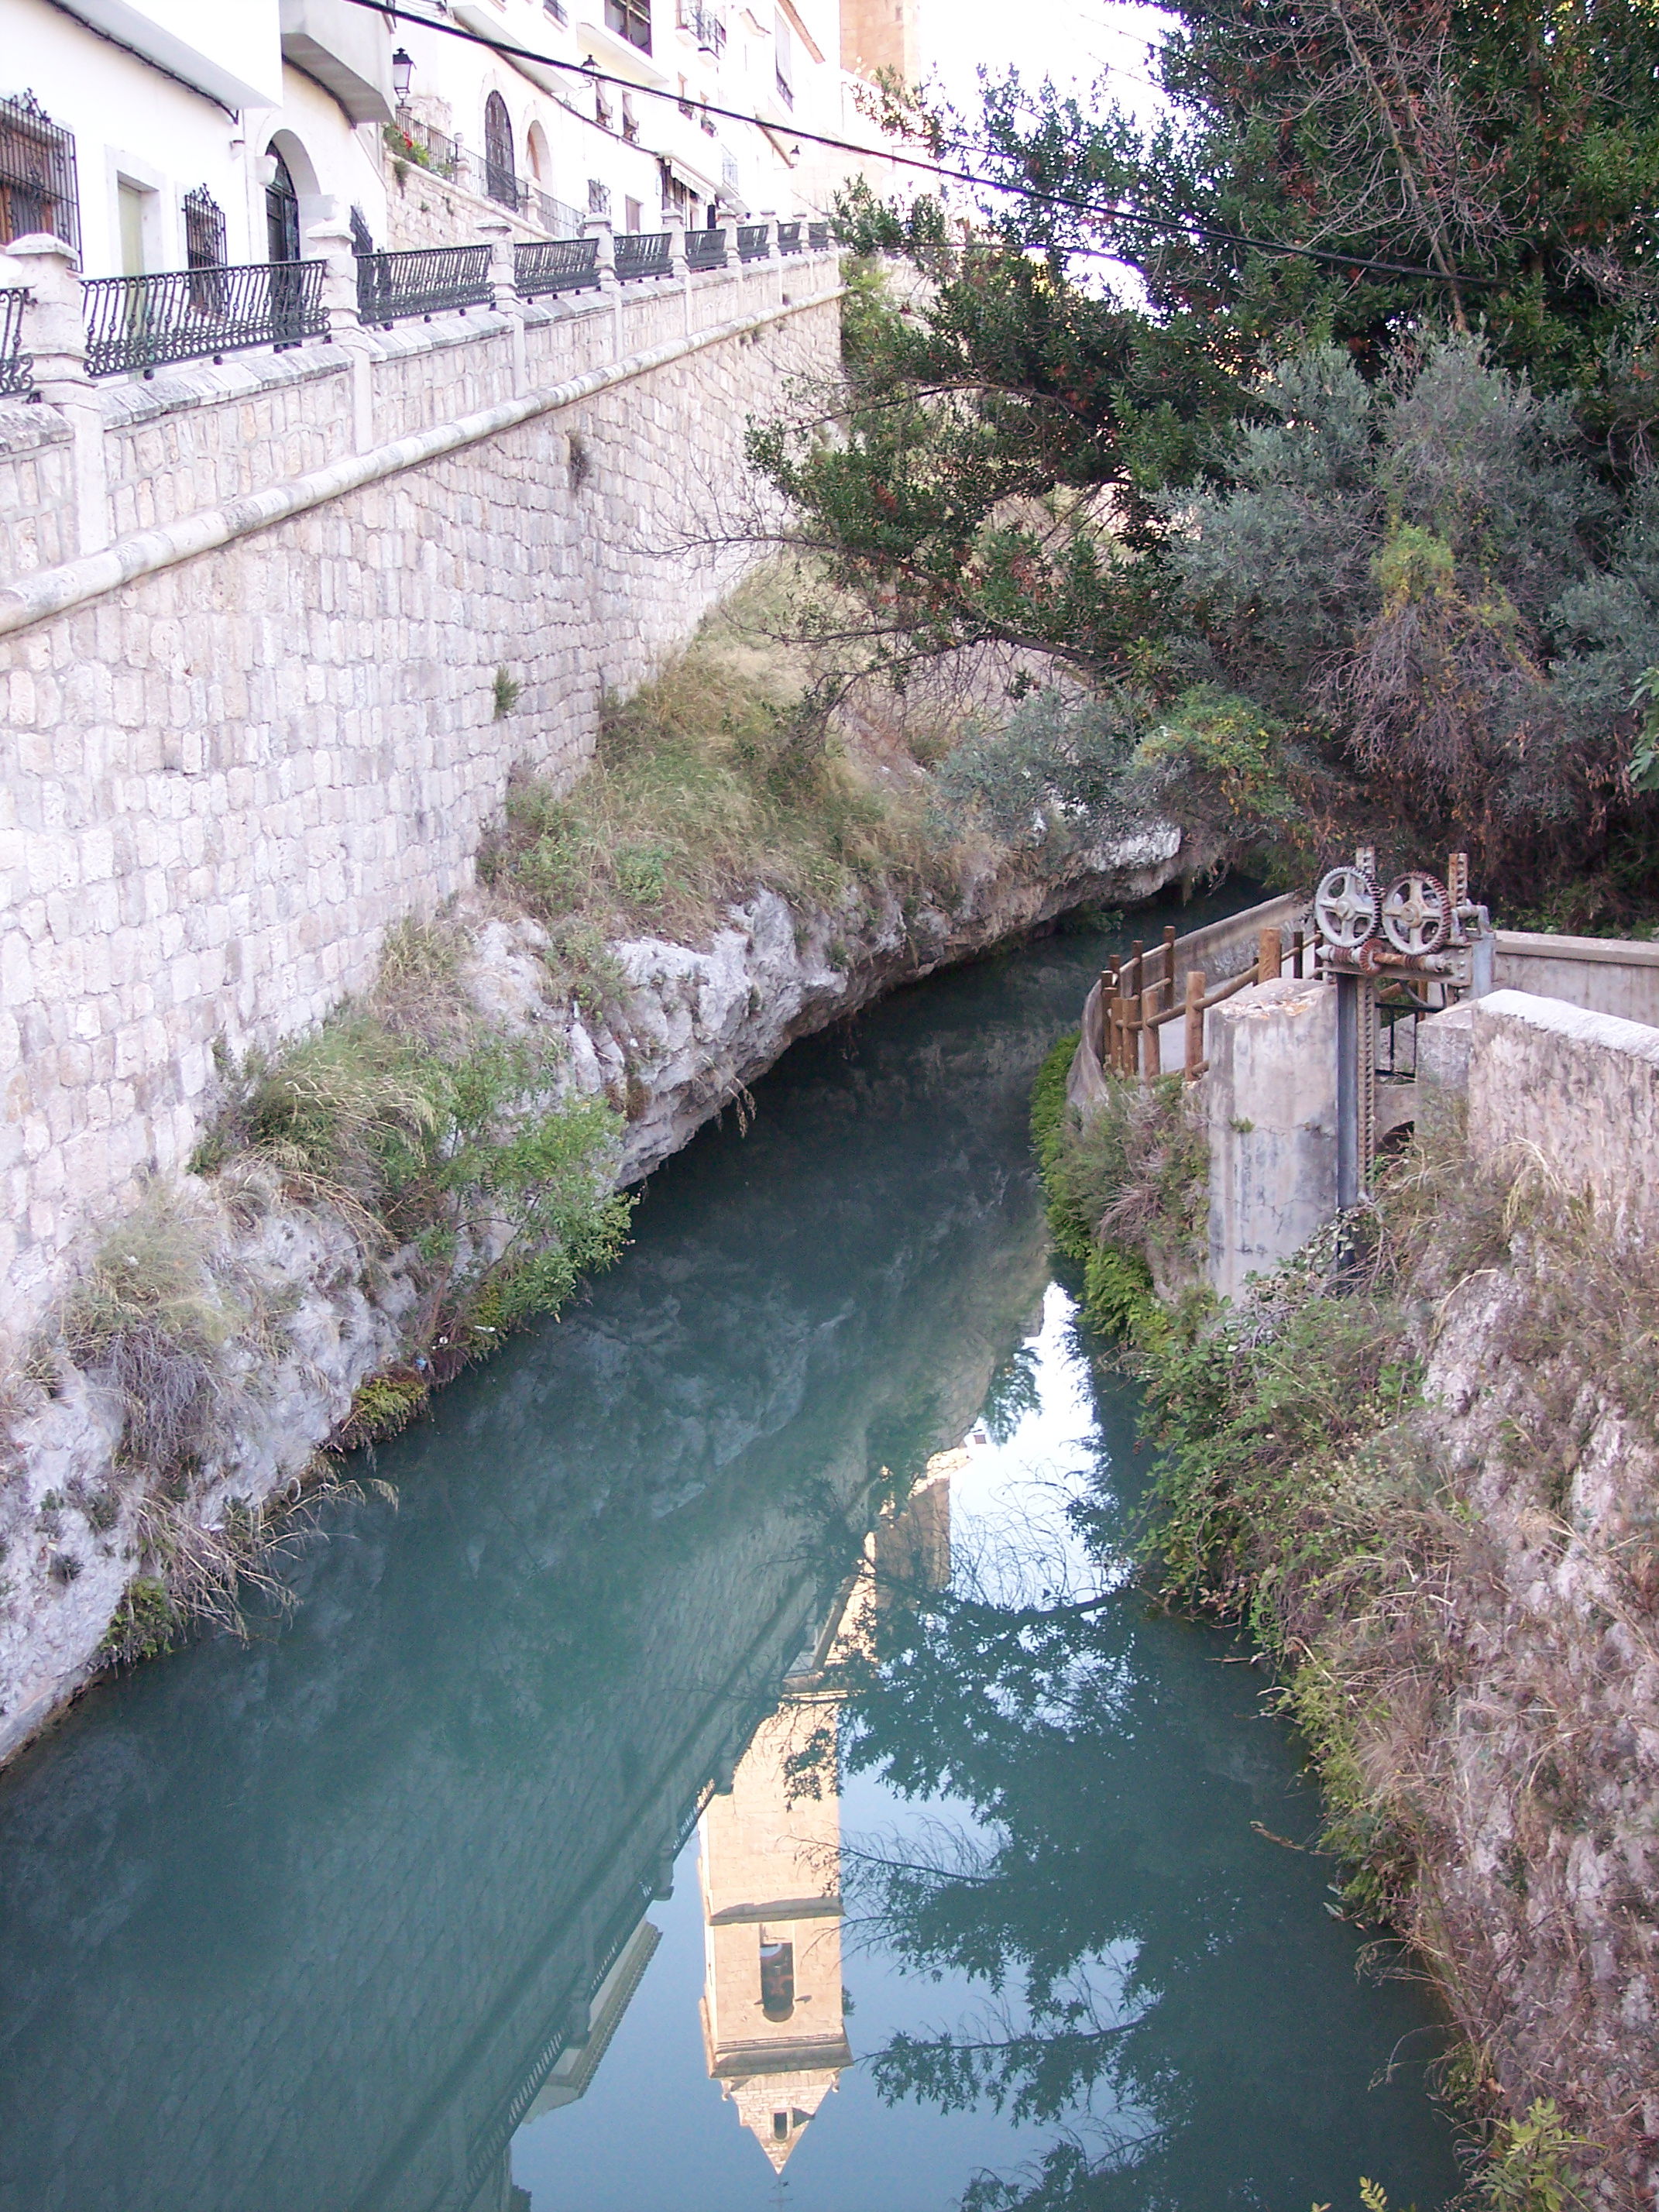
318,1920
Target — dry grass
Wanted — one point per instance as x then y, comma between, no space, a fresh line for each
156,1319
733,771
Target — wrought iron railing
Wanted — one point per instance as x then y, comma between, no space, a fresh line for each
557,264
16,369
505,186
141,323
789,240
639,254
395,287
556,218
754,243
818,237
705,249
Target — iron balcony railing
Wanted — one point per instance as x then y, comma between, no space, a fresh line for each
557,264
648,254
818,237
395,287
753,244
141,323
556,218
789,238
16,369
505,186
705,249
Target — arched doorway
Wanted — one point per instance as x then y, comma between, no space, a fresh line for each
500,174
282,212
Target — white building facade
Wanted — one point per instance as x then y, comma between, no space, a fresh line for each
174,135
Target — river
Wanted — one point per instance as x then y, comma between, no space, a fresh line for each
695,1793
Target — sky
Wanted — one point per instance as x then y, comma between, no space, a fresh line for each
1073,42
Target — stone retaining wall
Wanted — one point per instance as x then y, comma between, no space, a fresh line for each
227,773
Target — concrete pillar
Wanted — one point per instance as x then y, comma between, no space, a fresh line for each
673,221
1270,1101
55,337
330,242
598,227
497,235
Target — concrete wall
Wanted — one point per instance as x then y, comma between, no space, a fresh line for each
260,726
1270,1102
1579,1091
1608,975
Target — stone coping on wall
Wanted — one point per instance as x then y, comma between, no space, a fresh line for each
35,595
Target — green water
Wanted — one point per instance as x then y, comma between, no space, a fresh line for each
403,1904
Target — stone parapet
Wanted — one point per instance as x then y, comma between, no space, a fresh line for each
1576,1091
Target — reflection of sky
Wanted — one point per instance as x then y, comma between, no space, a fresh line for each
654,2132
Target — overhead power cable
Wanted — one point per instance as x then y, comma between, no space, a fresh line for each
1174,226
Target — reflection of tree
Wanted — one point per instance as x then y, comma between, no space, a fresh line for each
1152,1991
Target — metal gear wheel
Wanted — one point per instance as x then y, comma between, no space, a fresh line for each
1346,908
1417,914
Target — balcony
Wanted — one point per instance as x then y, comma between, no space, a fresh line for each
136,325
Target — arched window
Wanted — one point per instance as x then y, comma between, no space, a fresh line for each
281,214
501,177
541,160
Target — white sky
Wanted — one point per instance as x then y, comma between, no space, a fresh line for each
1072,41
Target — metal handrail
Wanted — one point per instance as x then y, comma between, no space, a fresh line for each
817,235
556,264
141,323
395,287
789,239
16,368
754,241
705,249
644,253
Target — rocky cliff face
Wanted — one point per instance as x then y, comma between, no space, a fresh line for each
1524,1748
695,1027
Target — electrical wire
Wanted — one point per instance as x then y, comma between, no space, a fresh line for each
1178,226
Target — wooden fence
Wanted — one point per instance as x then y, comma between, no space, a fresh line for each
1142,995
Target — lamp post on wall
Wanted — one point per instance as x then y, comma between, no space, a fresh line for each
402,68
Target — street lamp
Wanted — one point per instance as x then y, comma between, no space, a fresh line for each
403,68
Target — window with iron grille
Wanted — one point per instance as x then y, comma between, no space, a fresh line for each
631,19
599,197
501,170
37,174
204,230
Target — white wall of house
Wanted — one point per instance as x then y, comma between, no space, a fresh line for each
147,131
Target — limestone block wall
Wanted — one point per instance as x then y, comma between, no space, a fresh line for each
243,739
37,511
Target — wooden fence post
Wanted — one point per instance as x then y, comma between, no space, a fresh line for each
1269,957
1194,1053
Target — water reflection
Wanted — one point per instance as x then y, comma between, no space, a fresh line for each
773,2023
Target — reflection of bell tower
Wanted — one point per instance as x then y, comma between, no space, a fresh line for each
771,1880
773,2026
